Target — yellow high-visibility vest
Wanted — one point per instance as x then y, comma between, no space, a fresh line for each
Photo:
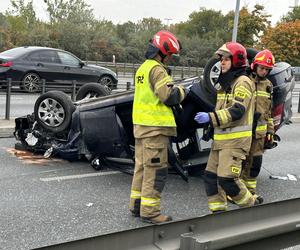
148,110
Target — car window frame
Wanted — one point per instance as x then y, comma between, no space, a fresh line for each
71,55
39,58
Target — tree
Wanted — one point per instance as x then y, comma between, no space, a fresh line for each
284,42
292,15
252,25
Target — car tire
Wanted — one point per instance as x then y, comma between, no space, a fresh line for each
92,90
53,111
211,74
31,82
108,81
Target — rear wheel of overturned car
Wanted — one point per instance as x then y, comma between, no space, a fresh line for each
53,111
92,90
31,82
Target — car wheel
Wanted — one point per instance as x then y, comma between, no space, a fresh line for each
107,81
92,90
31,82
53,111
211,74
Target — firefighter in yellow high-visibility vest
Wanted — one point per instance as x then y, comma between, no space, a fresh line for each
154,122
232,123
263,129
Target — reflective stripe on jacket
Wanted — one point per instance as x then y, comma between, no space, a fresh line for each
148,110
229,132
263,105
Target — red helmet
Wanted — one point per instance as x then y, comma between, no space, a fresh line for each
236,51
264,58
166,42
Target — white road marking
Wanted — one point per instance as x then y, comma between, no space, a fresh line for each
78,176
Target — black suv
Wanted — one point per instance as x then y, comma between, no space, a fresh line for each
28,65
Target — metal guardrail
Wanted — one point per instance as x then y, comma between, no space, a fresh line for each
270,226
129,69
71,87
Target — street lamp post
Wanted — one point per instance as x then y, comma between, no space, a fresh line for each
236,21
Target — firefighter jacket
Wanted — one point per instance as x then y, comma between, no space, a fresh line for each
154,95
263,121
233,116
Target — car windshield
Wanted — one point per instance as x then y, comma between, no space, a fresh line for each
14,52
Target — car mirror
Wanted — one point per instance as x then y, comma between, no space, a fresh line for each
81,64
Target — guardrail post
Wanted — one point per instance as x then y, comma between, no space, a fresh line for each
182,74
124,69
299,103
128,85
73,95
116,67
8,95
43,86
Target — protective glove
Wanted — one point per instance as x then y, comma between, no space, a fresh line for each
202,117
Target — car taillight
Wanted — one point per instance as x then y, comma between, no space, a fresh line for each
277,115
6,64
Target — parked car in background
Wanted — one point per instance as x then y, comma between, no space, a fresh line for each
28,65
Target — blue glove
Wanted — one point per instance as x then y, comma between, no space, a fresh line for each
202,117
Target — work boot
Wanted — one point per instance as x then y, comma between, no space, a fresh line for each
258,200
135,213
157,219
230,200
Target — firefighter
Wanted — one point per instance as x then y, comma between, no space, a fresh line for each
232,123
263,127
154,122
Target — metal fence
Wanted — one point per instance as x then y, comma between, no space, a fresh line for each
129,69
70,87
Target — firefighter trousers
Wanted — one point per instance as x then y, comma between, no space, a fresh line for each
252,164
150,174
222,179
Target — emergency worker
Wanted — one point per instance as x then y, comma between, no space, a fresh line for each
263,127
232,123
154,123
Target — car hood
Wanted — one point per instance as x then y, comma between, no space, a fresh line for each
92,66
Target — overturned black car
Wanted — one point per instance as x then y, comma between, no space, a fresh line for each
99,126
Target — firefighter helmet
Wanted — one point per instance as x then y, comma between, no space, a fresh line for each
165,43
236,51
264,58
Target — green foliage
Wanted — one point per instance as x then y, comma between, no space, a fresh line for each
292,15
73,27
252,25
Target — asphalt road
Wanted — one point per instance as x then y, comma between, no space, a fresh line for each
51,201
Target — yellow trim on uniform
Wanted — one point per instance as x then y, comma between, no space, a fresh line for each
214,206
150,202
236,135
261,127
244,199
243,89
135,194
262,93
250,184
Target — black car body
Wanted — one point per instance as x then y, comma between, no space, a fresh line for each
28,65
102,129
